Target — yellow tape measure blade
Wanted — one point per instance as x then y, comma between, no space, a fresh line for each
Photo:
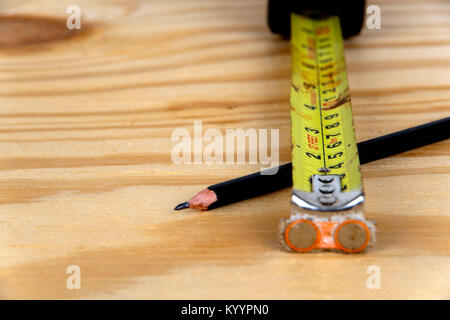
323,135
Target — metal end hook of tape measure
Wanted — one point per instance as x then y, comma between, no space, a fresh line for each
327,195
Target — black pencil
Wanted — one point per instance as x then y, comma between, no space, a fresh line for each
257,183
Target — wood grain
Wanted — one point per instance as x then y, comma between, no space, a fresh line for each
86,176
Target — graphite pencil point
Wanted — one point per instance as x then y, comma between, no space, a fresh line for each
182,206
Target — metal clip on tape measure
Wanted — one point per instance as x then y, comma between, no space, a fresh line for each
327,197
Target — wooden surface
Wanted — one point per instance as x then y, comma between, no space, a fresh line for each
86,176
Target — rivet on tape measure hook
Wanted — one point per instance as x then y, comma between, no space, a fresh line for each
327,197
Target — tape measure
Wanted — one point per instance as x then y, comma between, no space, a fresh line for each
327,192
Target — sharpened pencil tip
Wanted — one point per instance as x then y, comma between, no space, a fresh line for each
182,206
